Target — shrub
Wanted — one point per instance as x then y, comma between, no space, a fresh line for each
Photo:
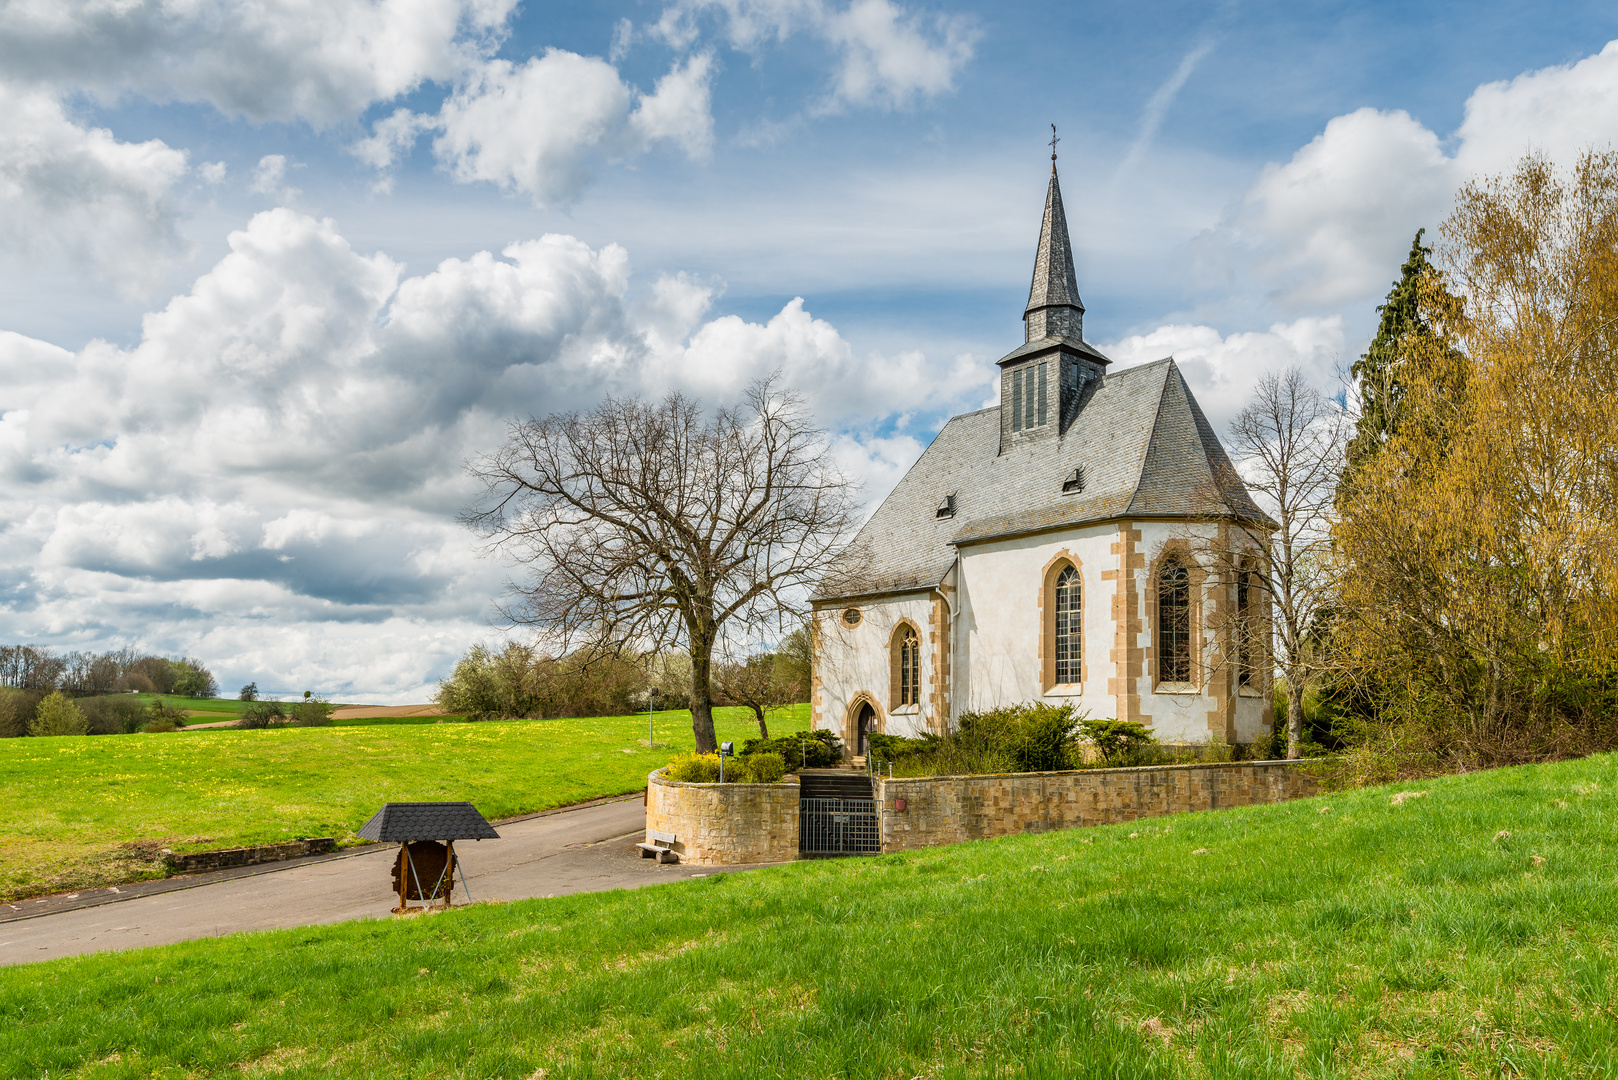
1119,741
56,715
312,712
704,769
16,709
756,769
800,750
163,718
114,714
262,714
1032,737
693,769
896,748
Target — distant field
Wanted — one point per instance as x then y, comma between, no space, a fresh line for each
224,707
87,810
205,710
1463,931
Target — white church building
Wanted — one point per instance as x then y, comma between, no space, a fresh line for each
1053,548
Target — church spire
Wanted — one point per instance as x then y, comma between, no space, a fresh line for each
1054,307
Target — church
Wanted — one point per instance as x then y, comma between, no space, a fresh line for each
1054,548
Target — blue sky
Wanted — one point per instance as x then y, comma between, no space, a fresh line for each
269,273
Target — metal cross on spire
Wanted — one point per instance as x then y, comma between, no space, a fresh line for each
1054,141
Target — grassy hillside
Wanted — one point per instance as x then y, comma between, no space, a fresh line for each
1464,932
81,811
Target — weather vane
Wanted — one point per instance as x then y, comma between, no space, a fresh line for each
1054,141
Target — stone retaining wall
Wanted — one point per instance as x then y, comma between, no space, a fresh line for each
225,858
725,824
925,811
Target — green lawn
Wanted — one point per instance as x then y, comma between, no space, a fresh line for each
1465,933
92,810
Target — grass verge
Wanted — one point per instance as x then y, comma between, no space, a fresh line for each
77,811
1462,931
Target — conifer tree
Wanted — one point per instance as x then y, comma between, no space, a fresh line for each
1382,372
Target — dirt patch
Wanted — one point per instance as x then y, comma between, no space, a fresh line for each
364,712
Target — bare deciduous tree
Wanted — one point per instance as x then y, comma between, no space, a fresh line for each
649,525
754,683
1287,443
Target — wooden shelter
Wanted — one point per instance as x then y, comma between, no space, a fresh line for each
426,833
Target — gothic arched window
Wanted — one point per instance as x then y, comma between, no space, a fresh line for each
1069,608
1247,634
1173,623
906,667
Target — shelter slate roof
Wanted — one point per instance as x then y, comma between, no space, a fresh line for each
411,821
1145,447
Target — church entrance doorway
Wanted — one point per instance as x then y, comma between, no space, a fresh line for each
865,724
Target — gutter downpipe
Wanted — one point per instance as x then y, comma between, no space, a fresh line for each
954,648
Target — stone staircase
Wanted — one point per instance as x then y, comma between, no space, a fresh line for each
834,784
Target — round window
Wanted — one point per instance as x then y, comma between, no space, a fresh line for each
852,617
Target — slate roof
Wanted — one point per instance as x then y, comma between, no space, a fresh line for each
411,821
1145,447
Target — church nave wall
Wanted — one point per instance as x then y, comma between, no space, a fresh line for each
1210,708
1005,637
855,663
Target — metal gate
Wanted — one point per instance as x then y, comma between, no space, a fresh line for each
837,827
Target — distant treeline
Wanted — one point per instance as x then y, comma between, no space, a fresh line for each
31,676
521,681
86,674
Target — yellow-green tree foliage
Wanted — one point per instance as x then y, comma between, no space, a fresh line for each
56,715
1481,543
520,681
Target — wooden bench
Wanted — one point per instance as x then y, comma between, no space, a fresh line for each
660,844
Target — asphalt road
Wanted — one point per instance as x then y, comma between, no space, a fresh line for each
584,850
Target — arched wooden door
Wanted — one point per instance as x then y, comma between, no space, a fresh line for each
865,724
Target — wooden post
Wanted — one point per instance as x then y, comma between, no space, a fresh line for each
404,868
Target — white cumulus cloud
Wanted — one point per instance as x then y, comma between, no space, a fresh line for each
886,55
269,477
1331,225
680,108
309,60
534,126
540,126
1222,369
77,191
892,57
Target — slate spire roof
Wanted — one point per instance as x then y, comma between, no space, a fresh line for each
1054,308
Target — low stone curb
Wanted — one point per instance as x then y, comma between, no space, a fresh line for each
230,858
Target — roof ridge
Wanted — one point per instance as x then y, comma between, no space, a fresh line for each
1146,443
1169,359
